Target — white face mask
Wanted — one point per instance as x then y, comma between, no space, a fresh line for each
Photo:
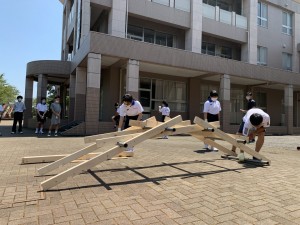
214,99
44,102
247,97
57,101
19,100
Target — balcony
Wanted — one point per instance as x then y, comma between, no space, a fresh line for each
223,16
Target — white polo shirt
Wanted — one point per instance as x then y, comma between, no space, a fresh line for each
212,107
41,107
133,110
248,126
165,111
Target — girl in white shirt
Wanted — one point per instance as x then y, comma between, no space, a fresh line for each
41,110
165,110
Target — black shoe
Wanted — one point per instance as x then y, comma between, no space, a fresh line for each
254,158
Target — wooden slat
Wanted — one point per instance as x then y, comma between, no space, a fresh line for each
108,154
112,141
231,140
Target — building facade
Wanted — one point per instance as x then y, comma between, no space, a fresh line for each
174,50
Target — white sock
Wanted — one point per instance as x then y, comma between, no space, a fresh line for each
36,129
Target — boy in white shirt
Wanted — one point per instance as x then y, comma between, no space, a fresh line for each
165,111
41,110
132,109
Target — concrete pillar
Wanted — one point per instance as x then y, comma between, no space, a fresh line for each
133,78
85,19
80,94
249,51
288,107
117,18
63,99
92,112
28,100
193,36
41,87
225,102
296,37
72,97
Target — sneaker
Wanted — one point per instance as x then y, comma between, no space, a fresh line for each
13,132
21,132
165,137
129,150
206,146
49,135
251,141
55,135
36,132
41,132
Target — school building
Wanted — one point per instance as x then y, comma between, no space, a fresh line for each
174,50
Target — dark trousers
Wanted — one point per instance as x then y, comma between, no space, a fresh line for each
18,117
212,117
126,125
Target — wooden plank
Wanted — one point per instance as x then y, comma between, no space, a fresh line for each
84,166
130,130
215,124
41,159
67,159
231,140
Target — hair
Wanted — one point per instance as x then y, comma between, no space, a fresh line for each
20,96
116,104
213,93
249,93
256,119
165,103
43,98
127,98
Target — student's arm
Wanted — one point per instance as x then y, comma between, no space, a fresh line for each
140,116
121,123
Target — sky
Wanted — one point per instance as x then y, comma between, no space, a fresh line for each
29,30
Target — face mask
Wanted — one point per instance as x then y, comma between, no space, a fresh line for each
19,100
214,99
247,97
44,102
57,101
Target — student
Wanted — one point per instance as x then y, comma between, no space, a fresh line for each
256,120
212,108
41,110
132,109
55,118
18,108
165,111
116,118
250,104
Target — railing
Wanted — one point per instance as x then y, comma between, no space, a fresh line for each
224,16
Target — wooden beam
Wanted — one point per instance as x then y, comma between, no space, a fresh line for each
112,141
84,166
231,140
130,130
67,159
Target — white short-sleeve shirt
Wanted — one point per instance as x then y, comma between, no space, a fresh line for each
133,110
1,108
248,126
41,107
165,111
212,107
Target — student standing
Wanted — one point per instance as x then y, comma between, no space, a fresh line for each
132,109
18,108
165,112
212,108
41,110
55,118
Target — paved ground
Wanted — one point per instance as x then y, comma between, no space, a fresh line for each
167,182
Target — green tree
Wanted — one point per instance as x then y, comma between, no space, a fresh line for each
8,93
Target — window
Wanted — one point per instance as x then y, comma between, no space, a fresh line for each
287,23
135,33
208,48
261,55
286,61
261,100
262,15
226,52
150,36
163,2
184,5
173,91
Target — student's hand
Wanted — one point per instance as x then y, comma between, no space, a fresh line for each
159,107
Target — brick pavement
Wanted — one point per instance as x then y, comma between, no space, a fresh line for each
167,182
